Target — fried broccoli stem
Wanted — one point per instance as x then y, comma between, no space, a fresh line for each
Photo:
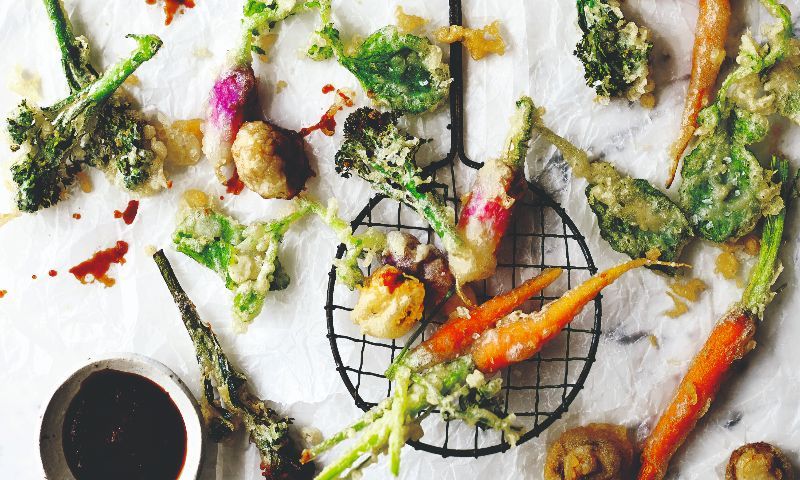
725,191
398,70
383,155
74,50
247,256
634,217
614,52
455,388
234,401
51,138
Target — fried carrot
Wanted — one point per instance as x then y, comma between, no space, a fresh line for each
521,338
713,18
458,333
729,341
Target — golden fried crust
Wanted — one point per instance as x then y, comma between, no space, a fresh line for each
759,461
598,451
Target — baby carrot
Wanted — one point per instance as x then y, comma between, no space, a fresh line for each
713,18
730,339
522,338
459,332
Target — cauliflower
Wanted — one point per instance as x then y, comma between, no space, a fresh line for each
270,160
390,303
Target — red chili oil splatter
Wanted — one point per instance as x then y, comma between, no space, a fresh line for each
391,279
97,266
3,293
171,7
327,123
34,277
76,216
129,215
234,184
169,184
222,197
52,273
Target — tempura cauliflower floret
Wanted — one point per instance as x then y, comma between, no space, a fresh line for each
390,303
271,160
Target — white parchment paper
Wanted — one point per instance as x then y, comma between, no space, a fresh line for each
51,325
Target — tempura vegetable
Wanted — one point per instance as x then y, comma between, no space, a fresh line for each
598,451
486,210
401,71
389,303
708,53
730,339
761,461
227,402
614,52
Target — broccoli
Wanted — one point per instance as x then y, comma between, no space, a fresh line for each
401,71
226,399
635,218
725,190
246,256
456,388
614,52
93,126
383,155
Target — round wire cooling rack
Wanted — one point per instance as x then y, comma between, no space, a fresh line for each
539,390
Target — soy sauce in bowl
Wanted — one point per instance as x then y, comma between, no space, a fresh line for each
123,426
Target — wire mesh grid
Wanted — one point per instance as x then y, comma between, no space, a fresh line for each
539,390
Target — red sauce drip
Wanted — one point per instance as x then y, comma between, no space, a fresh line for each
76,216
52,273
222,197
98,265
328,88
34,277
392,278
171,7
234,185
3,293
169,184
129,215
327,123
123,426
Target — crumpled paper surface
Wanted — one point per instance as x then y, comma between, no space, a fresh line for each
51,325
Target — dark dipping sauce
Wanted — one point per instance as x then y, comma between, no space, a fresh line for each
123,426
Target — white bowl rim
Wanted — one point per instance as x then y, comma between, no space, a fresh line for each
51,452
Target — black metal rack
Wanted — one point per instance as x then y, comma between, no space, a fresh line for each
538,390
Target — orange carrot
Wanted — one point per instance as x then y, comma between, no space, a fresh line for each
731,338
713,18
459,332
522,338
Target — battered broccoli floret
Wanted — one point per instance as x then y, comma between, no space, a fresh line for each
382,154
614,52
636,218
93,126
401,71
725,190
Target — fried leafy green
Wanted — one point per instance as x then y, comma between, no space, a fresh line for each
246,256
614,51
227,401
401,71
725,190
